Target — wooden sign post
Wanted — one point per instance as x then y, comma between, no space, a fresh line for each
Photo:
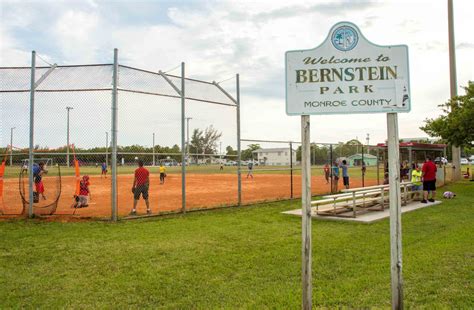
395,211
306,210
347,74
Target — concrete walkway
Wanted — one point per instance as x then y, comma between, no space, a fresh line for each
370,216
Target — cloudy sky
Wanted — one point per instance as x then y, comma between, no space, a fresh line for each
217,39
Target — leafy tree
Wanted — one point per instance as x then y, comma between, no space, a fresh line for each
204,141
456,125
230,153
319,154
247,153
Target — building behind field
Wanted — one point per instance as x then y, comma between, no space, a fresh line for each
356,160
274,156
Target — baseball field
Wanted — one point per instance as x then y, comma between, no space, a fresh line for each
206,187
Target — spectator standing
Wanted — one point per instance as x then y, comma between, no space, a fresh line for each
429,180
345,174
335,177
326,172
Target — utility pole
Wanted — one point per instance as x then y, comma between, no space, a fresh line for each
368,139
220,149
106,148
11,146
187,133
153,149
453,86
67,156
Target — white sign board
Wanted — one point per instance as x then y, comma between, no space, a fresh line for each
347,74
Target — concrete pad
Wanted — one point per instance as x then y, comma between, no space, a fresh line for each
368,216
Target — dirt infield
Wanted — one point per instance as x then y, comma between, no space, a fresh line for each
202,191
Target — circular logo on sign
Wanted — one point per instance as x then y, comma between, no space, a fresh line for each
344,38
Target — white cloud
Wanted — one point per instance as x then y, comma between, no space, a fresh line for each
218,39
75,34
10,51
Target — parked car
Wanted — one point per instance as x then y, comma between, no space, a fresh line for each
440,160
464,161
231,163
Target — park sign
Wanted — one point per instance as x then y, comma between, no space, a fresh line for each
347,74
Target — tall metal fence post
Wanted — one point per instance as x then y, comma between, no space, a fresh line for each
106,148
11,146
68,109
239,176
32,124
331,177
378,168
183,140
153,149
291,170
114,135
363,164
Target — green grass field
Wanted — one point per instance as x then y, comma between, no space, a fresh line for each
245,257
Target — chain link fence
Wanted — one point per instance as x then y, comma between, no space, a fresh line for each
99,121
272,169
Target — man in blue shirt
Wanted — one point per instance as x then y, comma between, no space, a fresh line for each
104,170
250,172
345,174
335,177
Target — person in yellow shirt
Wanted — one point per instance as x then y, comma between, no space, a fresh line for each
416,180
162,173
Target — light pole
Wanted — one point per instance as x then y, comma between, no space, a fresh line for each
67,156
153,149
106,148
367,139
187,133
11,146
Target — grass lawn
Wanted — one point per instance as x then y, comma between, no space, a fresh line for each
246,257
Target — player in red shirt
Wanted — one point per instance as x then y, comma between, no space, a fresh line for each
429,180
141,183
